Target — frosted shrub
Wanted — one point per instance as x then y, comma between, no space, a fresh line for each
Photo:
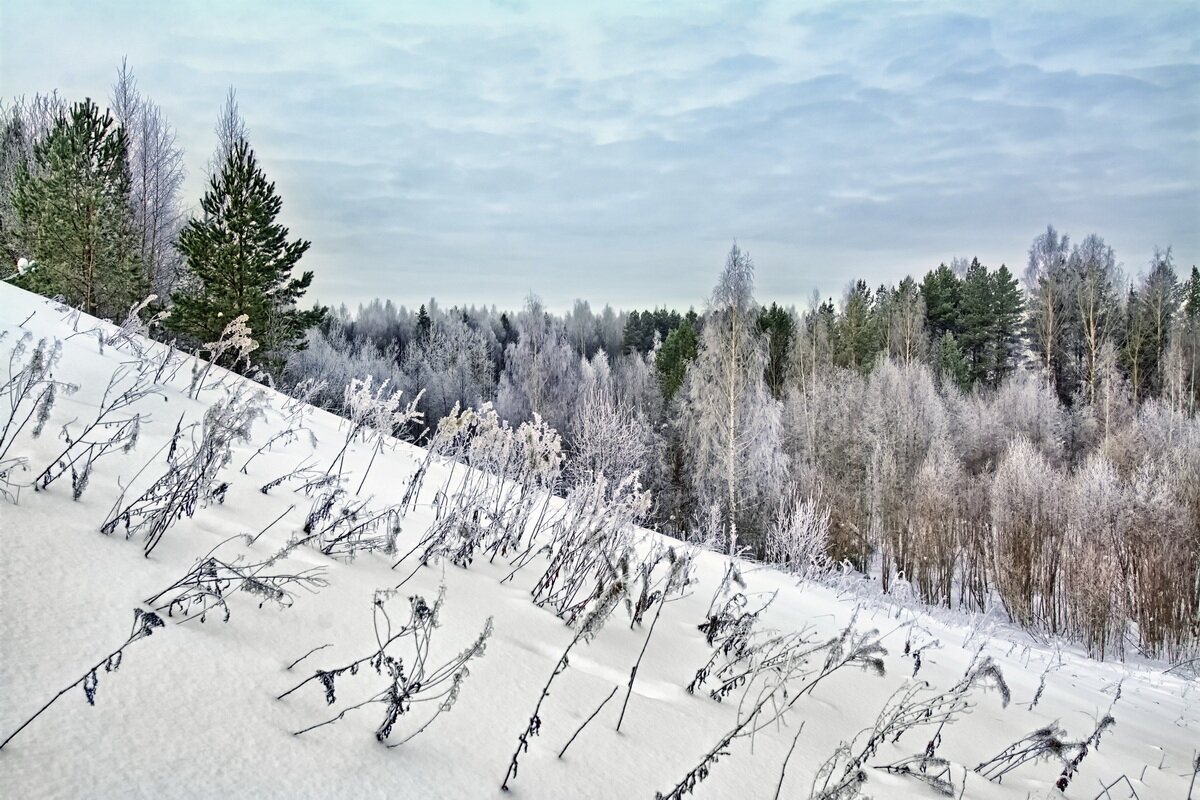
343,526
375,414
798,540
606,596
502,497
206,586
842,775
1096,541
1027,526
134,332
112,429
28,394
942,544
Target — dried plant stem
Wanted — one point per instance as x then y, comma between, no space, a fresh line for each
788,757
535,721
599,708
633,672
143,625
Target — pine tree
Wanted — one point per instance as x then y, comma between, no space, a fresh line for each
950,365
424,325
243,264
856,336
1190,334
1009,309
941,290
977,322
74,214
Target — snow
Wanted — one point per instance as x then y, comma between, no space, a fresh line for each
192,710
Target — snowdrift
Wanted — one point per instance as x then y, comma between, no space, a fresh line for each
243,595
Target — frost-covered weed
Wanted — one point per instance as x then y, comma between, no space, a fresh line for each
403,659
191,476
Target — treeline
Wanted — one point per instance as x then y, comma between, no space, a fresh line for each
913,431
91,211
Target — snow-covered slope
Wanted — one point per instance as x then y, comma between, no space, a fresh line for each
192,710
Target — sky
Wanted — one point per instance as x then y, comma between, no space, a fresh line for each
478,152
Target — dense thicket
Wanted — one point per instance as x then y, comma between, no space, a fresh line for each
960,437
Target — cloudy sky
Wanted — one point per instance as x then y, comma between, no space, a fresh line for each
479,151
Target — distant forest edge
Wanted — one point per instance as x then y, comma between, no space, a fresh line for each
968,438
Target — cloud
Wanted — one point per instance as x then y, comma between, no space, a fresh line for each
613,153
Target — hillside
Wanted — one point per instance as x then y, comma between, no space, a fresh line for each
192,710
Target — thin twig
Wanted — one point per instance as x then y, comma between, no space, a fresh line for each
306,655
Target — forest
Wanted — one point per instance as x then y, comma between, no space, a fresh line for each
967,437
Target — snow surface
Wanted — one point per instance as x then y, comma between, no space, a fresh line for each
192,711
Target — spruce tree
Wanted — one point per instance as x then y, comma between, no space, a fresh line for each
242,261
74,215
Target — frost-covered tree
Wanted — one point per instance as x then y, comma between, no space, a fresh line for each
1094,278
230,129
156,179
541,371
451,362
902,417
730,425
1047,285
609,438
1028,523
906,335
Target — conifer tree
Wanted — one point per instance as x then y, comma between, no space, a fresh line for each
949,363
75,219
977,322
779,326
673,357
243,262
856,337
1009,310
941,290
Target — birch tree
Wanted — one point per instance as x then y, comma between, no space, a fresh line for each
156,174
1045,283
730,423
